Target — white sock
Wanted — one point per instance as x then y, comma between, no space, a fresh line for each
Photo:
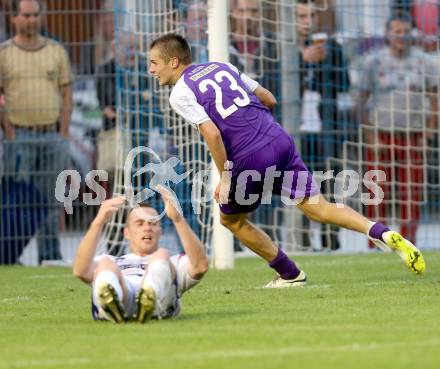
103,278
159,278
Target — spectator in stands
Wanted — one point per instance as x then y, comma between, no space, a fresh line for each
136,93
426,15
253,48
397,83
401,5
3,30
197,30
36,79
105,33
323,75
106,93
106,90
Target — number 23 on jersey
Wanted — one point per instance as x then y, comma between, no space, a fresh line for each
240,101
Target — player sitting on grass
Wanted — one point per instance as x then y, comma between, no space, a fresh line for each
147,282
232,113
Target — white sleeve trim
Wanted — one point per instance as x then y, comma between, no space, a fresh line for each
184,102
250,83
184,279
98,258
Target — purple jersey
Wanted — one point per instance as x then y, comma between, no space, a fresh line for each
246,125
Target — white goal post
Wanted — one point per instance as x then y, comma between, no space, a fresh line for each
218,46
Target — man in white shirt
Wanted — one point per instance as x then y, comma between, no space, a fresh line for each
146,283
398,108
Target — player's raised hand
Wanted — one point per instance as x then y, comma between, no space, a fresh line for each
108,208
172,208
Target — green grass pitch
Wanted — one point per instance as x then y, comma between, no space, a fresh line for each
358,311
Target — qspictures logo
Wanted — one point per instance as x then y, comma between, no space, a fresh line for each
237,185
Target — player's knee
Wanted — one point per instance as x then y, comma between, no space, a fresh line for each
232,222
105,263
225,221
160,254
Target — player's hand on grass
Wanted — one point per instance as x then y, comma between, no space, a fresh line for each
172,208
107,209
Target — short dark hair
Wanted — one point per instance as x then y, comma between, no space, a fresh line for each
15,6
399,15
173,45
305,2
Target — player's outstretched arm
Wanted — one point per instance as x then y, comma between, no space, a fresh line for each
198,261
213,138
266,97
83,265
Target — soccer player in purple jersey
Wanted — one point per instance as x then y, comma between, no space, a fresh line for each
232,114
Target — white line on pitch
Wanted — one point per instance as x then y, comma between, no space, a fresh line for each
15,299
354,347
49,276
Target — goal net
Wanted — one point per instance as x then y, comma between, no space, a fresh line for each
353,102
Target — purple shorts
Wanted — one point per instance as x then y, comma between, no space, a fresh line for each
254,177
